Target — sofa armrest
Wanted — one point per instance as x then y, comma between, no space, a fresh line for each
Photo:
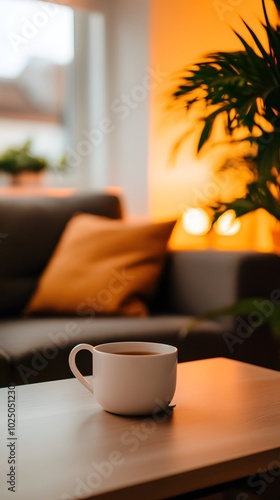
201,281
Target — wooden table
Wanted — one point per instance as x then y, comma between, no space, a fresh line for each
226,425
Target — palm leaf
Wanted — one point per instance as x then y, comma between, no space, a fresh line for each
252,56
268,154
267,57
240,206
258,196
224,80
274,42
243,307
209,122
277,4
265,13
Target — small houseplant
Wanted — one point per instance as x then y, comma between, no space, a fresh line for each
18,161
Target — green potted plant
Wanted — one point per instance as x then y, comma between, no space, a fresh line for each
20,161
241,91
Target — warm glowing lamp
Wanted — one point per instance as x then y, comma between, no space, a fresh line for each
227,224
196,221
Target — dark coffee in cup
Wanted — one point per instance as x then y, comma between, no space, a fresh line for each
138,353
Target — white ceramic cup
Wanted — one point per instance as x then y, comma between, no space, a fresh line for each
126,382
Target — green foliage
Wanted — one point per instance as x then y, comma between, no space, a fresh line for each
17,160
243,89
277,4
243,308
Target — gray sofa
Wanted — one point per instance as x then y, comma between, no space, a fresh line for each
36,349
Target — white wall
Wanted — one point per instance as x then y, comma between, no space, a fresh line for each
117,114
127,60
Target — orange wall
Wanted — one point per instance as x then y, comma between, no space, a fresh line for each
181,32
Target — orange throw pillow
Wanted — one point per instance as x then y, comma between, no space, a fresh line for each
103,266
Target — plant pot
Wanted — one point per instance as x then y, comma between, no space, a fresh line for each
27,179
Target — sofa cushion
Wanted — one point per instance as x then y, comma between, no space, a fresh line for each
103,266
30,229
39,347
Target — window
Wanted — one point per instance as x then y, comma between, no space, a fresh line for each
36,54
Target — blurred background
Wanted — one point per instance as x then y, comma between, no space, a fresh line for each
94,83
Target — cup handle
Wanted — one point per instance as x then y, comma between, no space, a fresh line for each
72,363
